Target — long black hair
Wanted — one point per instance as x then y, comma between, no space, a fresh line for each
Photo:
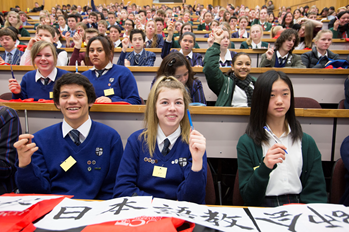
260,104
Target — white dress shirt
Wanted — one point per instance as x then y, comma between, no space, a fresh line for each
84,129
160,138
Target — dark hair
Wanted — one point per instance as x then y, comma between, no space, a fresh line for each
237,55
137,31
8,32
72,16
142,11
286,35
260,104
170,64
58,32
133,23
108,46
232,17
46,28
159,19
340,14
186,33
283,24
93,14
74,79
115,27
186,24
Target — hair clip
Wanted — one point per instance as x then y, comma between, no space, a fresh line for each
172,62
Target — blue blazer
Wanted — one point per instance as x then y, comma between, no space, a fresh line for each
146,59
236,35
160,42
16,58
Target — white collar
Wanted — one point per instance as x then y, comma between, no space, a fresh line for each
283,135
259,45
12,51
172,137
138,53
279,56
226,57
319,54
52,75
84,129
190,54
17,43
146,39
117,43
108,66
245,33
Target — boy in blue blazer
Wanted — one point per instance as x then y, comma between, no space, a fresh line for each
139,56
8,41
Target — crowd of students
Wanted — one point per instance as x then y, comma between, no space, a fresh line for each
167,158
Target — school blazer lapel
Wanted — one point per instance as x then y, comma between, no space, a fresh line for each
143,58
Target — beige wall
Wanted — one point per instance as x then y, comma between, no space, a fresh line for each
5,4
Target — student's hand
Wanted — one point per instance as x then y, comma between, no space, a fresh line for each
127,63
25,149
125,43
1,61
14,86
218,35
89,21
197,65
335,25
32,41
275,154
210,39
242,32
77,38
197,147
170,31
270,52
82,63
103,99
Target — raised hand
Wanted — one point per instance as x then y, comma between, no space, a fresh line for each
270,52
125,43
77,38
13,86
197,147
25,149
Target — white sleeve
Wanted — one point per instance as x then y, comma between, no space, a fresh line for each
26,59
62,59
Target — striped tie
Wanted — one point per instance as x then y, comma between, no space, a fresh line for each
75,134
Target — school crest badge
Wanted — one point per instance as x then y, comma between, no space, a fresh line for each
99,151
182,162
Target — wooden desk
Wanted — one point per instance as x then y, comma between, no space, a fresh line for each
222,126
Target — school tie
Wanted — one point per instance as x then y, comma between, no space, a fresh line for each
207,27
282,60
166,149
137,59
100,72
9,58
75,134
46,81
149,43
223,63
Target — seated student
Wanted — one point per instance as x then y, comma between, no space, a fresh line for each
92,20
345,157
159,22
206,25
10,129
77,138
263,162
226,56
8,41
236,88
113,83
114,35
152,40
214,25
102,27
57,39
186,41
186,17
129,26
186,27
62,24
319,56
123,16
242,32
255,39
263,20
112,20
139,56
175,64
37,7
14,21
282,55
38,84
24,18
47,33
80,29
287,21
78,43
232,23
72,24
276,32
340,27
165,140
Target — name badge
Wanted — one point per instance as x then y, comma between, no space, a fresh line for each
108,92
159,171
51,95
68,163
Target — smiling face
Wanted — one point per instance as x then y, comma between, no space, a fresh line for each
73,103
97,55
170,109
242,66
288,18
45,61
344,19
288,44
280,100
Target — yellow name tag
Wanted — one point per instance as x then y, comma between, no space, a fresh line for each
68,163
51,94
255,167
159,171
108,92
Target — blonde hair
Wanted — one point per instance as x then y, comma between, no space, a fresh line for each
274,31
249,40
151,120
19,22
320,33
38,46
154,43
